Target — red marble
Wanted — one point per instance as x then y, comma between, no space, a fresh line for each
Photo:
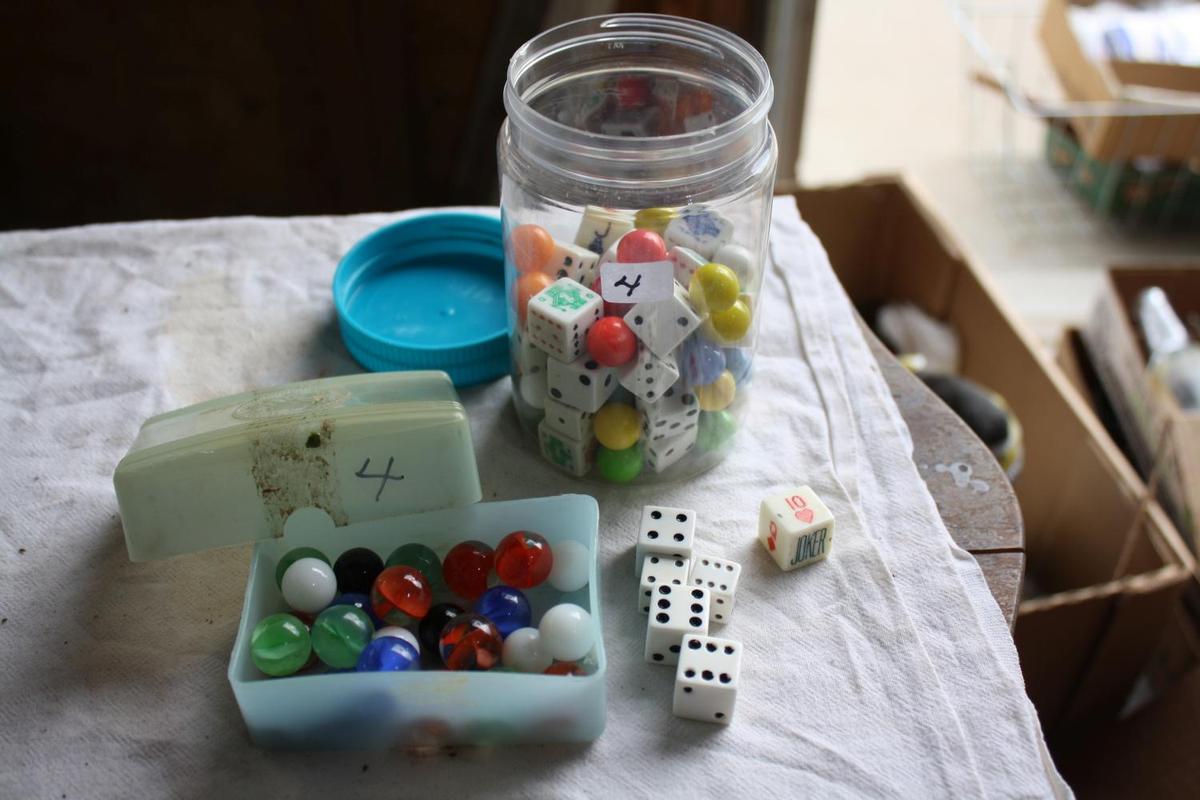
470,642
401,595
564,668
466,567
523,559
611,342
641,247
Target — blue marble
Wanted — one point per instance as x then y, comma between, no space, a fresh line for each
738,361
700,361
506,607
388,654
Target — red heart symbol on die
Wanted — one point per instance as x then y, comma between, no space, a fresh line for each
771,538
805,515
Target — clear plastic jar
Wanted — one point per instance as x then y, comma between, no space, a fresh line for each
636,161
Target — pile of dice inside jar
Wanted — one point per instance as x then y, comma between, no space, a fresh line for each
366,614
623,387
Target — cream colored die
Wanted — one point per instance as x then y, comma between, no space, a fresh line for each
796,528
601,227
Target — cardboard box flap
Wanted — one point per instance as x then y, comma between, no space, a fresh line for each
1173,77
897,223
1164,439
1082,77
1180,283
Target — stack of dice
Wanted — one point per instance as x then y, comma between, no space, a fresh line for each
625,386
682,592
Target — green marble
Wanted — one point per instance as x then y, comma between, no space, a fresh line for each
280,645
421,558
294,555
339,635
716,429
619,466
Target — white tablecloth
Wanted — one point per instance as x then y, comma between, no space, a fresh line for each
885,671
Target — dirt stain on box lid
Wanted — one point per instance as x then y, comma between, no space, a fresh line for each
293,469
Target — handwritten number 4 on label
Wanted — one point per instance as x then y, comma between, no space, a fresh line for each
630,287
383,477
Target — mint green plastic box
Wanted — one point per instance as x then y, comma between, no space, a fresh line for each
310,458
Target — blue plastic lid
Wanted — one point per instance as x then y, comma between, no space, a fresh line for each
427,293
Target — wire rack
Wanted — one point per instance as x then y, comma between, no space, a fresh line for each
1023,134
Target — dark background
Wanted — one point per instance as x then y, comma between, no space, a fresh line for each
123,111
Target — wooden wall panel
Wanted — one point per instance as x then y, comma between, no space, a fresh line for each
125,110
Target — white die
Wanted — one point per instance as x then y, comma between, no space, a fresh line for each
740,260
532,386
583,384
664,531
720,577
601,227
560,317
707,679
530,358
676,413
675,612
570,422
686,263
648,376
700,229
610,254
663,324
663,452
796,528
659,570
571,456
574,262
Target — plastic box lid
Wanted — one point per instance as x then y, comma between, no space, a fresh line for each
232,470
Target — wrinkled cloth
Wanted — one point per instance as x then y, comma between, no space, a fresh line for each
885,670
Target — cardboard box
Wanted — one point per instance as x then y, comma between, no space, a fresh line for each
1179,650
1151,754
1157,429
1109,564
1119,137
1133,192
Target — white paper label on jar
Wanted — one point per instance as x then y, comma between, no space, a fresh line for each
637,283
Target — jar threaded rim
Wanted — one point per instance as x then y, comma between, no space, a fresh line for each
572,151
